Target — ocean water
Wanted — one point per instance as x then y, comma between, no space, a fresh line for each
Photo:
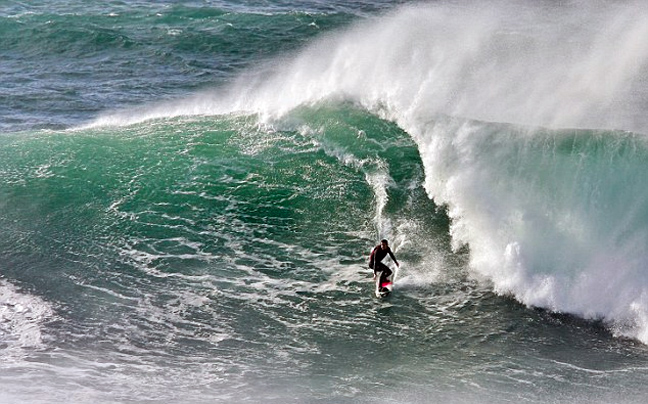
189,191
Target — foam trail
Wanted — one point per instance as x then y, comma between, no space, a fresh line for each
379,182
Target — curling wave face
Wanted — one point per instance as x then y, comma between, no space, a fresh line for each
542,210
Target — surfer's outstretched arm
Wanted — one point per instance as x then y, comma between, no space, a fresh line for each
393,257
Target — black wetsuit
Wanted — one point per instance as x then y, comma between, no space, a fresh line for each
377,255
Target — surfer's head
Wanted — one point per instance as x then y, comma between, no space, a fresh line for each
384,244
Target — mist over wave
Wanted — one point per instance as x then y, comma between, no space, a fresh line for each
575,65
556,218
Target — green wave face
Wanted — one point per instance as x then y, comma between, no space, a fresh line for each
208,195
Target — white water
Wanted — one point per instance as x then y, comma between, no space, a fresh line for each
21,319
553,228
557,220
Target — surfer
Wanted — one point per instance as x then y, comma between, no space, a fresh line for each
375,260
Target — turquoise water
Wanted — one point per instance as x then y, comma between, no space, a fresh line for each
189,192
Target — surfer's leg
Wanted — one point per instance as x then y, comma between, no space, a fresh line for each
385,277
385,272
